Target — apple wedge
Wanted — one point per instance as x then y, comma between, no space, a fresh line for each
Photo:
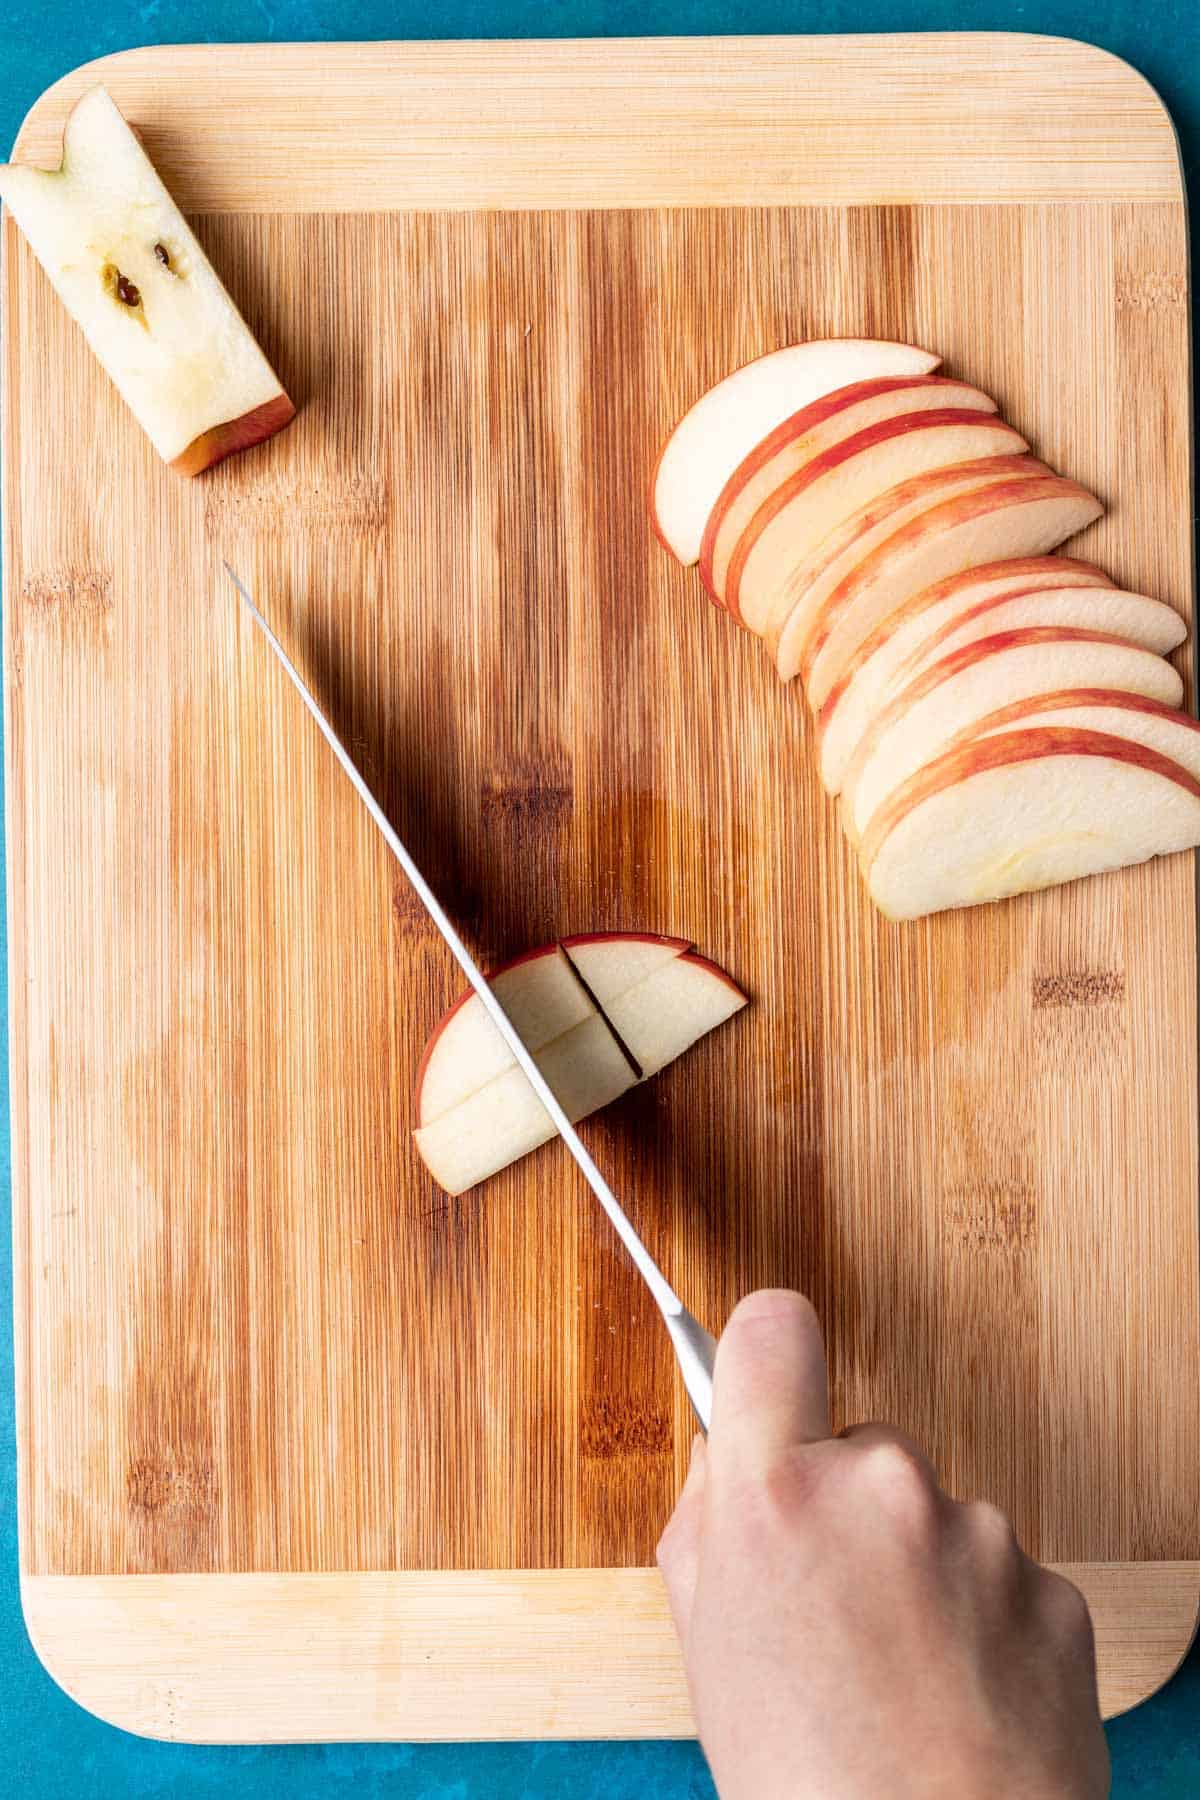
971,682
657,996
797,592
132,275
1003,519
830,488
728,421
1023,810
859,698
1159,727
809,433
543,995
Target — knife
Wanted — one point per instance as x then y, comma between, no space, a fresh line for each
695,1348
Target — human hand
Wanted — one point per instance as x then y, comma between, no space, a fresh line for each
850,1632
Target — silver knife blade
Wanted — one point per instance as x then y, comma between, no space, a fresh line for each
695,1348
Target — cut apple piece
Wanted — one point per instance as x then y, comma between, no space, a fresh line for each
850,709
799,591
831,487
504,1119
133,277
809,433
610,962
1025,810
1003,519
971,682
542,996
1140,720
728,421
658,998
664,1015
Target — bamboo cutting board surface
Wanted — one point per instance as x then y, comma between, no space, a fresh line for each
309,1450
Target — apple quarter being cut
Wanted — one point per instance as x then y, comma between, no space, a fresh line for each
1004,518
727,421
810,433
1131,617
1023,810
797,593
973,681
831,487
133,277
658,998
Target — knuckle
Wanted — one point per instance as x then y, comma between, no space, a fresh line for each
992,1531
900,1481
1067,1606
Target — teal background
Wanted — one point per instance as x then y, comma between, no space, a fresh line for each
49,1748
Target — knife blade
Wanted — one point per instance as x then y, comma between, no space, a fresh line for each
695,1348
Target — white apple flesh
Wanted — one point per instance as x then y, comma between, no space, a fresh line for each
843,723
1003,519
132,275
829,489
730,419
796,594
812,432
657,997
1023,810
1135,718
969,683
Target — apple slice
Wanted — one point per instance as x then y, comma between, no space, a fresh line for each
504,1120
798,592
727,422
973,681
134,278
659,998
848,712
1005,518
1025,810
1160,727
830,488
810,433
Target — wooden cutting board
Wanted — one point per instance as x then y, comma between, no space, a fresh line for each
307,1449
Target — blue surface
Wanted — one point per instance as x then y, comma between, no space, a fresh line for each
50,1748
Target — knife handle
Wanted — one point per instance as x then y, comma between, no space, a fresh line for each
695,1352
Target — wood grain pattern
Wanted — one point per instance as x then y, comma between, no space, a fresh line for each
254,1341
576,1653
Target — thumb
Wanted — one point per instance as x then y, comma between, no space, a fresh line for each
770,1386
679,1546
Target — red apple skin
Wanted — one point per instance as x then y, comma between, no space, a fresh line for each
703,962
983,754
1050,566
1064,700
841,452
800,422
968,654
955,510
626,937
220,441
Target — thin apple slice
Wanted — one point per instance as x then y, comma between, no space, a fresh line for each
1003,519
1025,810
133,277
542,996
663,1016
662,995
848,713
832,487
799,592
1160,727
504,1119
810,433
973,681
727,422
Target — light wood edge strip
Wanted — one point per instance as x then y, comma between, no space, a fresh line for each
587,1653
904,119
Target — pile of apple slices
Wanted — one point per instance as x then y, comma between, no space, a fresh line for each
599,1012
995,718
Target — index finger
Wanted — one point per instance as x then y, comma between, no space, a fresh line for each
770,1385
